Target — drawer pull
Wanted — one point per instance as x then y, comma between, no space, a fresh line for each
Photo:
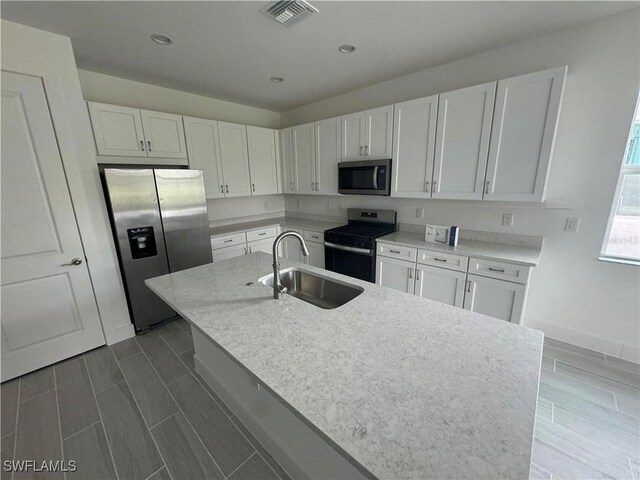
394,251
499,270
230,240
440,259
261,234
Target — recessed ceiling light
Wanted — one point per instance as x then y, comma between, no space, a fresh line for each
277,79
346,48
161,39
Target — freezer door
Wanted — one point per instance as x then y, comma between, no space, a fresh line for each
183,208
141,247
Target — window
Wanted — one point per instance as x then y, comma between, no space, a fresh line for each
622,239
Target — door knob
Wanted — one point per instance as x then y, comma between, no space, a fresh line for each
75,262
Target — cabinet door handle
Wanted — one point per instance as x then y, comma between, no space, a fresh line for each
221,188
249,249
253,187
426,187
417,274
499,270
142,145
227,188
245,250
366,150
230,240
291,185
433,188
394,251
411,273
361,149
440,259
486,186
149,144
469,286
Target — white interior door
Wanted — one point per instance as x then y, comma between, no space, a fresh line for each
378,133
414,139
117,130
203,147
328,155
164,134
48,307
235,159
262,160
462,142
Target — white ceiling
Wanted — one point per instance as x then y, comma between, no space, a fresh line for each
229,50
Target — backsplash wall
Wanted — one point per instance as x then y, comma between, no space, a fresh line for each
232,208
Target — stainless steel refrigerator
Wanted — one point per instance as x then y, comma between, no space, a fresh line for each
160,225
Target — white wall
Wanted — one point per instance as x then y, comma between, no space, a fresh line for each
53,53
234,208
120,91
573,296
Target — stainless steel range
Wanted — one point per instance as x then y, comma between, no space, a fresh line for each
351,249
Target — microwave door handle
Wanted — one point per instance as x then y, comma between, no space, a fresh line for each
375,178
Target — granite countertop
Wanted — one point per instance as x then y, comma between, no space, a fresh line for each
304,223
407,387
520,254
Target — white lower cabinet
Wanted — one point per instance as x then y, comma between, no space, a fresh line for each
440,284
228,252
495,298
315,245
316,254
396,274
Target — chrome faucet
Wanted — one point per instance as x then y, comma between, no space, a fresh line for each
278,289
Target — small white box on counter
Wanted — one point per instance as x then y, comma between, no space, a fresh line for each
442,235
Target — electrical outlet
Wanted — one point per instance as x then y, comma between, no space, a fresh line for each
419,212
507,219
572,224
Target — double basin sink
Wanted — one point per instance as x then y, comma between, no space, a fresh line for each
315,289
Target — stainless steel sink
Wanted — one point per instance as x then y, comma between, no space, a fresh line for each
315,289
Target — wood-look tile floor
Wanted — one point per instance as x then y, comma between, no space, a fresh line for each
137,410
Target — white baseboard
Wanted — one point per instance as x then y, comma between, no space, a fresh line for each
593,342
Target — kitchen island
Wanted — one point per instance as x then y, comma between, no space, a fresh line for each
398,386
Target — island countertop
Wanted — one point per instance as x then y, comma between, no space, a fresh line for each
407,387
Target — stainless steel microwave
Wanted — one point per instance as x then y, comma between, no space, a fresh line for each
368,177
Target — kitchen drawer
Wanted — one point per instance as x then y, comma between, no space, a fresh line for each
230,240
499,270
261,234
397,251
313,236
444,260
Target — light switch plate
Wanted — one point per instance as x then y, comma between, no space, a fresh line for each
507,219
572,224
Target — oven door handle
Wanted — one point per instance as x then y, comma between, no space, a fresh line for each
363,251
375,178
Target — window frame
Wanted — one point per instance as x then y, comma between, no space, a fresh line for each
624,170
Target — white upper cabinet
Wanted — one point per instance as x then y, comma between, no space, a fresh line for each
396,274
287,161
304,152
414,138
367,135
203,147
495,298
524,126
262,160
440,284
117,130
235,159
378,133
328,154
353,131
164,134
462,142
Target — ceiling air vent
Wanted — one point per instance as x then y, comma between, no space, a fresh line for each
289,12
